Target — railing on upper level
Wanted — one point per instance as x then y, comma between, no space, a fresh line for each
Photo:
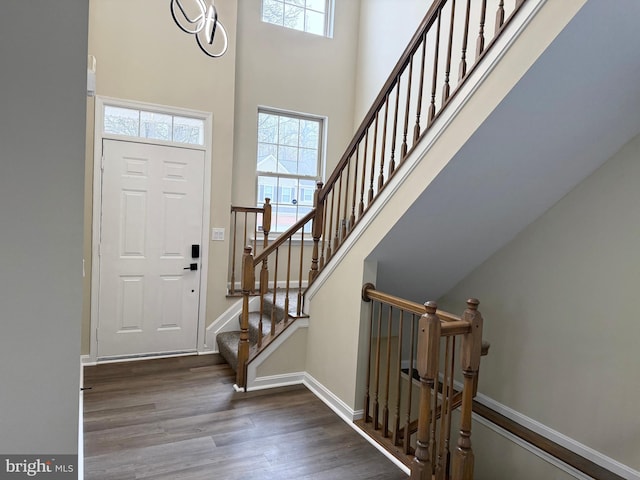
409,393
419,88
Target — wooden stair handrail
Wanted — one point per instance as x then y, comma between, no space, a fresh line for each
369,293
369,118
283,237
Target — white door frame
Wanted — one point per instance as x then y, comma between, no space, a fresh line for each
99,135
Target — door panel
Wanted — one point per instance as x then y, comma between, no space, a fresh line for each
152,204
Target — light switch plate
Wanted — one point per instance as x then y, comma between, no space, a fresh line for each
217,234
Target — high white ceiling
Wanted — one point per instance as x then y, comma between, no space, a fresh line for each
577,106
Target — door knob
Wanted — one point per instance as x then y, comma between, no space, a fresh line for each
192,266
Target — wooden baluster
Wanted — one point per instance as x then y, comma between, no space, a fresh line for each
433,446
299,305
324,231
499,17
373,159
416,128
465,39
376,405
384,143
266,222
316,231
432,106
480,42
394,135
403,148
336,239
428,355
367,399
407,423
343,233
364,175
232,288
244,238
440,473
470,362
385,409
255,231
275,290
330,233
248,281
447,437
352,219
446,90
396,424
287,286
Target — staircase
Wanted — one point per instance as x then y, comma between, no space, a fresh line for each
279,307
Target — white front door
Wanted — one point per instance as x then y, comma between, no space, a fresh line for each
152,204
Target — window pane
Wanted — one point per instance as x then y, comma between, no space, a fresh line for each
292,169
155,125
307,189
121,121
272,11
188,130
317,5
267,158
288,131
308,164
288,160
309,133
266,188
285,217
267,128
314,23
294,17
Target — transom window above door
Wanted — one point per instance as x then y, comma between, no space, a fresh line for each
288,164
311,16
132,122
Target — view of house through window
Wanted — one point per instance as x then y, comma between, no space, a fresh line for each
288,165
311,16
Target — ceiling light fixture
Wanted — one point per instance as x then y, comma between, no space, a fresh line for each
201,19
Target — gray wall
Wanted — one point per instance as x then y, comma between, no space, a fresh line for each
43,47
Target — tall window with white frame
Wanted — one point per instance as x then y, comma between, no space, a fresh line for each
311,16
288,164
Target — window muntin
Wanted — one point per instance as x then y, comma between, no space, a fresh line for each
311,16
288,164
153,125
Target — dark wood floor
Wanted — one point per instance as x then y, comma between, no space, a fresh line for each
179,419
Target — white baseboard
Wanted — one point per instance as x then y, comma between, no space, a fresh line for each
348,416
81,421
569,443
258,383
86,361
275,381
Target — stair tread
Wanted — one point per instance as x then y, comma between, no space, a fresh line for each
228,341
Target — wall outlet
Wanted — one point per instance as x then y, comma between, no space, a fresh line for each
217,234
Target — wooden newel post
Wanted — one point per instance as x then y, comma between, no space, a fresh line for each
470,359
316,231
427,364
248,282
266,228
